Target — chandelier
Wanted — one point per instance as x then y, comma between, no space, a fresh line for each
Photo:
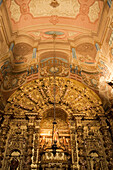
54,130
56,143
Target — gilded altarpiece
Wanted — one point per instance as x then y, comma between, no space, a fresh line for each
84,140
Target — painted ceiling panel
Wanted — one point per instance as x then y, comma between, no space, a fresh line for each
77,13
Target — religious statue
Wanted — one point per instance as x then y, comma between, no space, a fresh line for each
14,164
96,165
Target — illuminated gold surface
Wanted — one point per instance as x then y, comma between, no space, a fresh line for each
37,96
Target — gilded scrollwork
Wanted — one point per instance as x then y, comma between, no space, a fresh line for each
35,96
33,103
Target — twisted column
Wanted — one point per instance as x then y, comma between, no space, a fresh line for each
29,144
73,144
81,148
3,137
108,146
36,142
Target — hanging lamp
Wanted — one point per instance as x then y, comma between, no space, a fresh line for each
54,132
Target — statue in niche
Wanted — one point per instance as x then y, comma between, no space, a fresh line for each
96,165
14,164
95,161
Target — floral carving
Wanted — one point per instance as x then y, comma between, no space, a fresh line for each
35,95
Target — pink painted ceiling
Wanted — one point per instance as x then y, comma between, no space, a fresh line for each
77,14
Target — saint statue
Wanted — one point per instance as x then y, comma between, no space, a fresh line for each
14,164
96,165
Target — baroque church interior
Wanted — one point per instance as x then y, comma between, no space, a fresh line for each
56,85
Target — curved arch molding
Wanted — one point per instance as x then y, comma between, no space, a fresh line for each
36,97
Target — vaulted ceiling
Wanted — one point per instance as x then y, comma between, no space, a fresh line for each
83,44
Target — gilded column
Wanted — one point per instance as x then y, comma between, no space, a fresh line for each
107,144
111,124
73,145
81,148
29,145
36,143
3,137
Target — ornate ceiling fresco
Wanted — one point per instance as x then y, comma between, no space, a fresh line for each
56,58
33,18
83,44
78,13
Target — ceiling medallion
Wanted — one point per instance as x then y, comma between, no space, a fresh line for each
54,3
